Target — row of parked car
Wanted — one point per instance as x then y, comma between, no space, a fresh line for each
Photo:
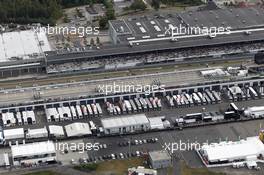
95,159
138,142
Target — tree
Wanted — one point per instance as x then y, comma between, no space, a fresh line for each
92,42
97,40
103,22
138,5
155,4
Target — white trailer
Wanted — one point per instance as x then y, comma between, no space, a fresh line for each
143,103
128,106
153,102
118,110
19,118
79,112
253,93
189,98
148,104
138,104
170,101
73,112
100,111
94,108
216,96
196,99
90,111
203,100
92,125
158,101
84,110
133,105
209,94
122,106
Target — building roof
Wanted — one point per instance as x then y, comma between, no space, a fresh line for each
14,133
37,132
77,129
22,44
156,25
252,146
119,122
31,149
151,46
159,155
4,160
56,130
156,122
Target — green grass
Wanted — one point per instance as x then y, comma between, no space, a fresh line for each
185,170
43,173
116,167
86,167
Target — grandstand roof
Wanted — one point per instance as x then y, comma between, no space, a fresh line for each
22,44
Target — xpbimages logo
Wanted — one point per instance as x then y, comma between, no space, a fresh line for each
68,30
210,31
128,88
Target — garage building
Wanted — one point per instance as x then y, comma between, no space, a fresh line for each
126,124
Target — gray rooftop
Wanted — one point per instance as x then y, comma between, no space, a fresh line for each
159,155
155,25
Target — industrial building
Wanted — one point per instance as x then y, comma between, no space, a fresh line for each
154,28
33,153
125,124
160,159
228,153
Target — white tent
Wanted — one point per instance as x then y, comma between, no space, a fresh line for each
17,133
56,131
37,133
77,129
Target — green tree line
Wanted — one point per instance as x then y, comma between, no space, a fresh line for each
38,11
